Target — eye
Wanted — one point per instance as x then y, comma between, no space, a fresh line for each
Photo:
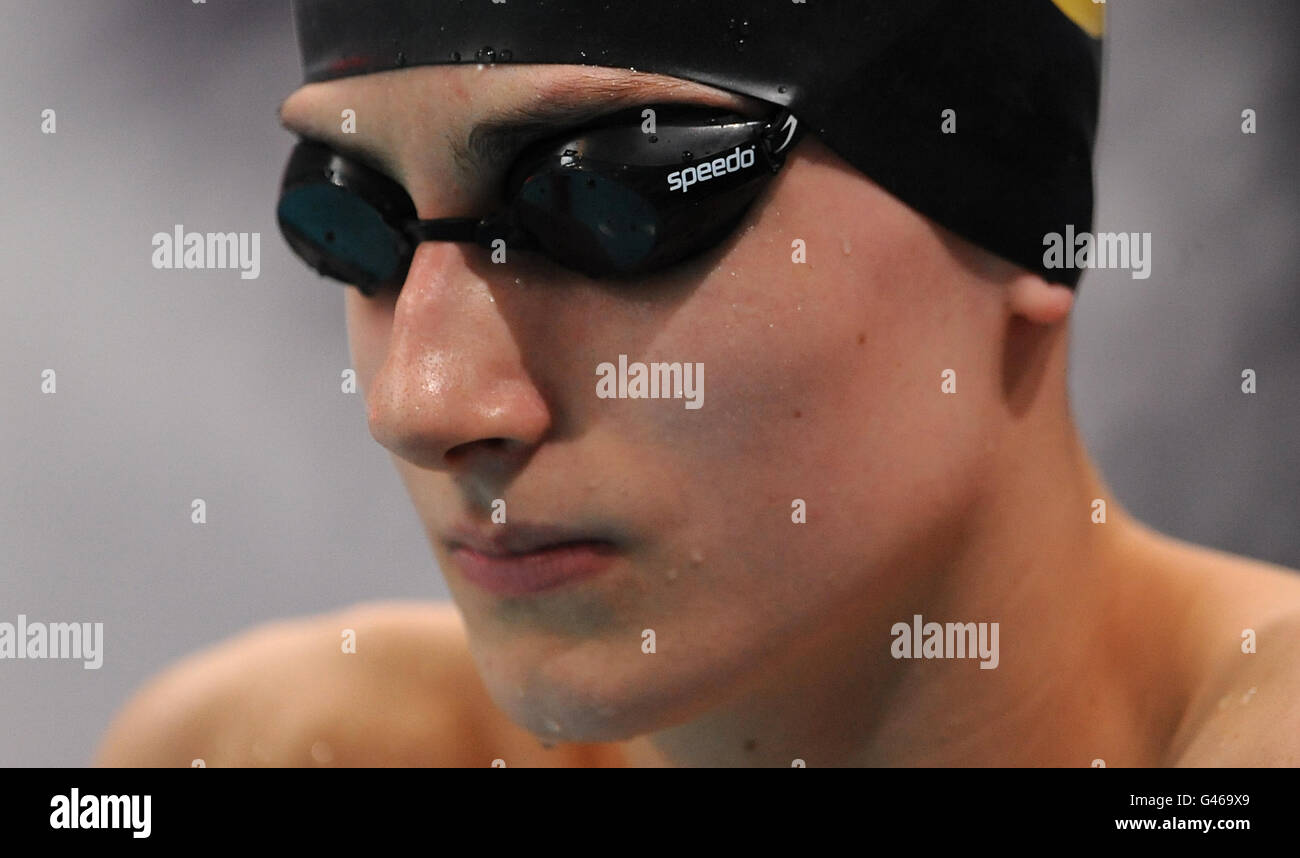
588,217
345,217
339,233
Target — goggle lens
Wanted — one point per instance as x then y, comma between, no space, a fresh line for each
340,234
589,222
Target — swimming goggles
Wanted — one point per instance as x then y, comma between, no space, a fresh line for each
608,200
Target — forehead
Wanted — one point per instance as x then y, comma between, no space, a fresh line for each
465,81
411,100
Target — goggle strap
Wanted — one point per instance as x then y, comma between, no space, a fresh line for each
443,229
482,232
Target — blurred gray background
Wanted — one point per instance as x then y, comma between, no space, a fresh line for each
177,385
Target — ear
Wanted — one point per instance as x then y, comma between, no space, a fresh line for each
1037,301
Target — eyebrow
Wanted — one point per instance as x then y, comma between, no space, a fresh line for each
497,136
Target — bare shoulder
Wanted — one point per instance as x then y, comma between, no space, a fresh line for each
1245,629
377,684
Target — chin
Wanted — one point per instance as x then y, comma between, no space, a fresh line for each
581,696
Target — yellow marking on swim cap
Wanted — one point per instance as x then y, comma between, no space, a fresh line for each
1089,15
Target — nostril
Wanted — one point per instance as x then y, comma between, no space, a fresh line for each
483,445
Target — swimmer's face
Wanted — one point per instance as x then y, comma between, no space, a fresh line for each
823,461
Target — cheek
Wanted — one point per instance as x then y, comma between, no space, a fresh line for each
823,383
812,330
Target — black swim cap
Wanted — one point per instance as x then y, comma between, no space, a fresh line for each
872,78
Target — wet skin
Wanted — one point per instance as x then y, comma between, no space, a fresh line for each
824,385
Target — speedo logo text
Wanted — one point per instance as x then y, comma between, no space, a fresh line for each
681,180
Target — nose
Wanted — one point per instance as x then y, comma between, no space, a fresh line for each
453,389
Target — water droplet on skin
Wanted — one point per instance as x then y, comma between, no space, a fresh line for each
744,28
848,248
518,282
486,54
697,557
1245,698
322,753
551,725
491,299
740,45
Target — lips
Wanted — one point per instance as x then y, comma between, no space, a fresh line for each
517,560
